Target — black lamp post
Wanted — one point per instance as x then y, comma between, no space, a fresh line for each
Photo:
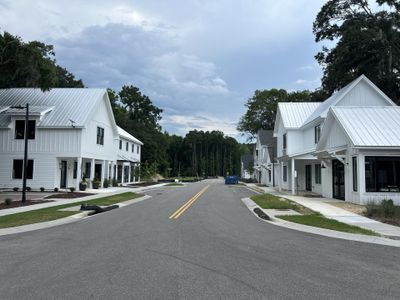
25,164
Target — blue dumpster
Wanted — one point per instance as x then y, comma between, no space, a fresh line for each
231,180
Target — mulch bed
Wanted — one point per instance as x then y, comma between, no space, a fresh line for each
19,203
68,195
141,184
390,221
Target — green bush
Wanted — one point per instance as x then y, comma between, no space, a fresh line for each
388,208
7,201
372,209
114,182
106,183
15,189
72,189
56,189
42,189
28,189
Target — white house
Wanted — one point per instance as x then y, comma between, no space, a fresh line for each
264,157
347,147
246,166
72,134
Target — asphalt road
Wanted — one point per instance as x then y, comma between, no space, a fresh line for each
216,249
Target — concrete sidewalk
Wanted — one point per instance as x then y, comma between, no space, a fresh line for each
99,194
332,212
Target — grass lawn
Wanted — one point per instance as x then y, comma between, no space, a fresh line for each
174,184
53,213
317,220
268,201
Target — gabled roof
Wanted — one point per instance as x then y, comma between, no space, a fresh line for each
76,104
124,134
376,126
266,138
322,110
294,114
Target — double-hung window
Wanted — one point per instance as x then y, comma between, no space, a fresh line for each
100,136
317,133
18,169
20,129
318,174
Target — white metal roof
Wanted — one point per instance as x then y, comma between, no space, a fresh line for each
295,113
376,126
75,104
124,134
33,110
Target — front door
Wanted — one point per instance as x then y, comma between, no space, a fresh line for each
63,181
97,171
308,178
338,179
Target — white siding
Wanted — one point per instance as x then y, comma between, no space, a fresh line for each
362,95
90,148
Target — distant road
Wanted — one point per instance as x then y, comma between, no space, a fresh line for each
210,248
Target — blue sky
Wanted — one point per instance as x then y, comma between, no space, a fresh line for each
199,60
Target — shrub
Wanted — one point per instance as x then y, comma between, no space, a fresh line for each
388,208
7,201
15,189
96,183
28,188
72,189
56,189
106,183
114,182
42,189
372,209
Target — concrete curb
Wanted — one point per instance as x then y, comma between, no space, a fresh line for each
251,205
66,220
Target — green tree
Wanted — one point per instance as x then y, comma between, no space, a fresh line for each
31,65
368,42
261,108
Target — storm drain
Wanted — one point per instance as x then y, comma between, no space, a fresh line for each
261,214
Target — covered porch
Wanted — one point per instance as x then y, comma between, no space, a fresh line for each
300,174
72,170
126,170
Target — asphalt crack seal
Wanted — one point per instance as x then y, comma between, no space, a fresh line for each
261,214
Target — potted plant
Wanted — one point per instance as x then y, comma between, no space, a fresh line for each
96,183
83,184
106,183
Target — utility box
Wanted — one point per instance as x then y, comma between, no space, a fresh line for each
231,180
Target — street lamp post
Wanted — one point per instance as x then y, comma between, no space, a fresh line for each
25,164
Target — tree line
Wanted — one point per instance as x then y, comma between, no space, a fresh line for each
367,40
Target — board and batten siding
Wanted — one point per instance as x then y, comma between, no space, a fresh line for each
90,148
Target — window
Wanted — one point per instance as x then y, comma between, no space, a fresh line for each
75,169
20,129
133,148
127,146
87,170
18,171
284,173
138,149
355,178
317,133
120,144
382,174
100,136
284,141
317,174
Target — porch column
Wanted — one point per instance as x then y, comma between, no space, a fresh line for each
130,173
78,172
103,172
293,178
139,173
280,176
92,163
123,173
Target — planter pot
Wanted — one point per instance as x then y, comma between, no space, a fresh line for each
82,187
96,185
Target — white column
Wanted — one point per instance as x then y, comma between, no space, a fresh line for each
92,163
130,172
293,178
78,172
139,173
103,172
123,173
281,177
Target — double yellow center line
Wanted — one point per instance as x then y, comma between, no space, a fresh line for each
185,206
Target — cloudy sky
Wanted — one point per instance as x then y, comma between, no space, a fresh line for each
199,60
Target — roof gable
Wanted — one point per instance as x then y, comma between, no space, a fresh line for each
124,134
322,110
370,126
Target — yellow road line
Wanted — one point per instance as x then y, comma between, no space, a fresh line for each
185,206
